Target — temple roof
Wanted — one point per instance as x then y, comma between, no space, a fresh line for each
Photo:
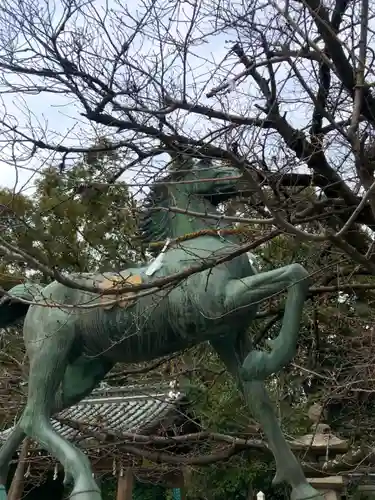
121,409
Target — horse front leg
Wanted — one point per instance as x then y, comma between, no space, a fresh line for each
49,351
251,290
287,466
80,378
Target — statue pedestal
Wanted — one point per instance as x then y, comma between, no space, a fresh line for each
321,447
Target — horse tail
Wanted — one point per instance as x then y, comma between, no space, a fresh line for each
11,309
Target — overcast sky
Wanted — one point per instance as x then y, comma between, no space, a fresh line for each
61,116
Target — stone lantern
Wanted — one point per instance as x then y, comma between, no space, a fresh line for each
320,446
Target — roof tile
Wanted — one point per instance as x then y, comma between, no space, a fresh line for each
122,409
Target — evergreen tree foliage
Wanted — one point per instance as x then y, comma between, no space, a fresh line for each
75,220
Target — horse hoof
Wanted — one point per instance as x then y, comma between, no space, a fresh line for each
305,492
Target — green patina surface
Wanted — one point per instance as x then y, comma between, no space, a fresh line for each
74,337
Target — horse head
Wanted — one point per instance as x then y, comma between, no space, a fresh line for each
191,187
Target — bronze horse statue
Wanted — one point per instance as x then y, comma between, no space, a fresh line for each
73,336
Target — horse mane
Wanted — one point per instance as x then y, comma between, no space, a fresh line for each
154,224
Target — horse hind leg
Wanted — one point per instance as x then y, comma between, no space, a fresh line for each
287,467
48,365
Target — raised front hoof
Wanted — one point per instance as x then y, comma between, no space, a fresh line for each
93,494
255,366
305,492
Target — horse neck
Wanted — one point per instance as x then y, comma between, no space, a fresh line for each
188,223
